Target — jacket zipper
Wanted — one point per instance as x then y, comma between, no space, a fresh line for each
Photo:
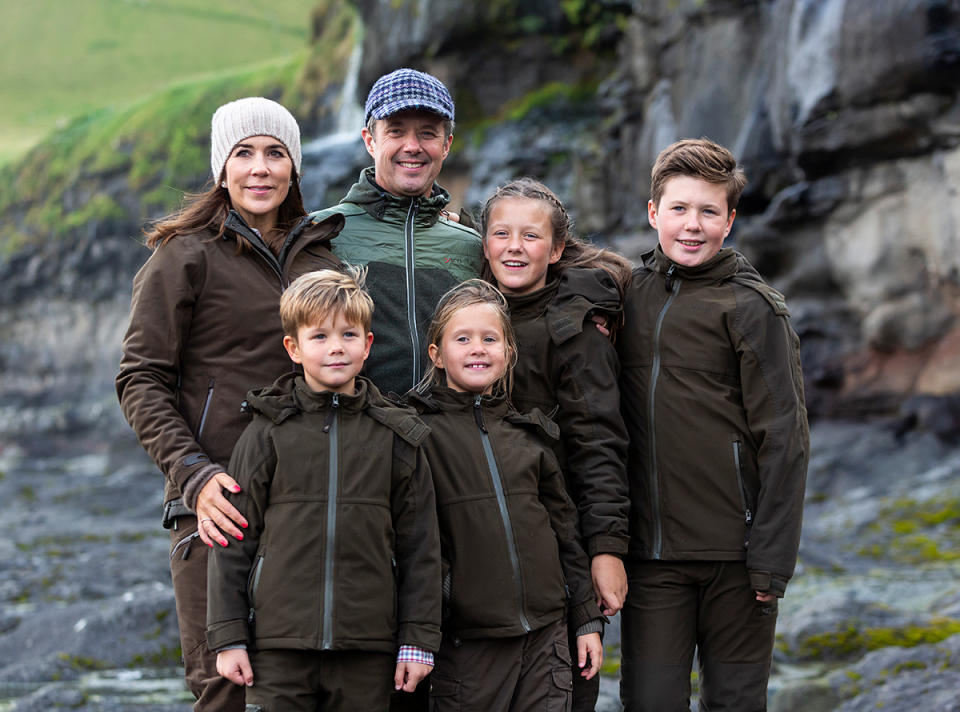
410,259
332,485
254,585
744,504
674,287
206,408
504,513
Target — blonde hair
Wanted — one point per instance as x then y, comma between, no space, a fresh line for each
698,158
576,252
466,294
316,295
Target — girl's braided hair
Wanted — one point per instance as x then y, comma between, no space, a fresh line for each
576,252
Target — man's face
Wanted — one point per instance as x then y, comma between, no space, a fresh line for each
408,149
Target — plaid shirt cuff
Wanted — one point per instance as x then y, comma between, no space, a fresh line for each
413,654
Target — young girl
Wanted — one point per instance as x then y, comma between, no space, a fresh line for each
512,561
567,368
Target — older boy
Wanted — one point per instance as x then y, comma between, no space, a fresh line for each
341,559
712,395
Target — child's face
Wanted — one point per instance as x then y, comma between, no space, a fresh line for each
472,349
519,244
331,352
691,220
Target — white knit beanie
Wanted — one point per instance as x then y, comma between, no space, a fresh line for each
253,116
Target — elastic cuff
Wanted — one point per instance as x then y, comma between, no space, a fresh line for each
195,482
594,626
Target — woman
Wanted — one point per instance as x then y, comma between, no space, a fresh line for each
205,328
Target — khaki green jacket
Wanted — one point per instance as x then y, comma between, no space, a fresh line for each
713,400
341,551
413,255
568,369
507,527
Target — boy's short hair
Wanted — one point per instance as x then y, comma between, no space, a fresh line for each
315,295
698,158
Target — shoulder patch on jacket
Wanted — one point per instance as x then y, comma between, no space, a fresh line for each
537,420
776,300
401,421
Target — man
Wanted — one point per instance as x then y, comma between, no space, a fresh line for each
397,225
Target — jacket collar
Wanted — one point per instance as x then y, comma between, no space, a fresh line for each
381,205
721,266
290,394
532,303
322,231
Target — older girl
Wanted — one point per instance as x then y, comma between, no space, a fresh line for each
553,282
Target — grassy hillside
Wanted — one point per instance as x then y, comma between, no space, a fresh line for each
63,58
129,161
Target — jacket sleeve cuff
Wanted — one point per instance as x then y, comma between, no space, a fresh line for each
607,544
585,612
594,626
228,633
766,582
419,635
195,482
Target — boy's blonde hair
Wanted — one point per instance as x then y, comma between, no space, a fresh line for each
467,294
316,295
698,158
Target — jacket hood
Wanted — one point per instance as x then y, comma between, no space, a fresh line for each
380,204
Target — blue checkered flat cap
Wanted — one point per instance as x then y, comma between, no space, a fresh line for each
407,89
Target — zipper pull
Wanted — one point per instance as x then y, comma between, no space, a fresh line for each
478,413
749,517
669,277
331,413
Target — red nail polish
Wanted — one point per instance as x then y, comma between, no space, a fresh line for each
244,525
236,488
240,537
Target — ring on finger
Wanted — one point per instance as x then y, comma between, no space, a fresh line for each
207,519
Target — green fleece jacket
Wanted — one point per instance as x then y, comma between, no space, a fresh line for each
712,395
413,255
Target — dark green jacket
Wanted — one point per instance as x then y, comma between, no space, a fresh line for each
507,527
568,369
413,256
712,395
341,551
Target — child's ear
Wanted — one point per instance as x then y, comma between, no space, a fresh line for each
726,230
652,214
292,347
366,351
557,252
433,351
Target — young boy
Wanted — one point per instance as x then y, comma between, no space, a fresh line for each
712,395
341,559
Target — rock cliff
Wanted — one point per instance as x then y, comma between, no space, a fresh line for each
845,114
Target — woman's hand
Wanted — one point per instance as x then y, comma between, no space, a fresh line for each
215,514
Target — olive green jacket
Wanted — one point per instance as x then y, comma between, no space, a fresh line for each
568,369
712,394
413,255
341,551
507,527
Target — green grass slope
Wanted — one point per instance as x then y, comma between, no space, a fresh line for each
63,58
132,161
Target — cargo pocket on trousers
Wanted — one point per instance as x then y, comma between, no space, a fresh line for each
560,697
561,690
444,694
